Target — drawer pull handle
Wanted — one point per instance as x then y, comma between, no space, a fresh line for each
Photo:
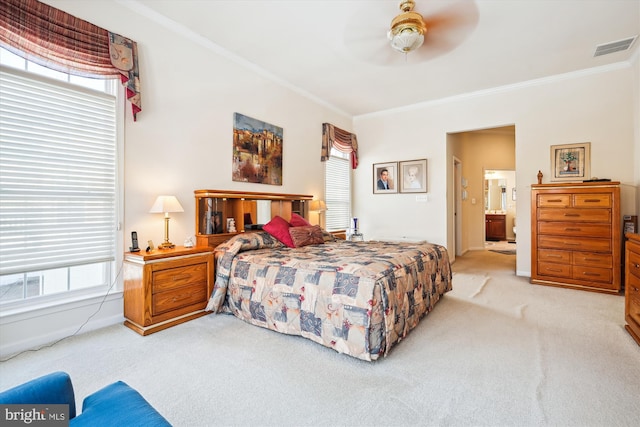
180,277
572,215
591,259
555,270
554,256
572,229
591,200
572,244
555,200
176,299
636,265
591,274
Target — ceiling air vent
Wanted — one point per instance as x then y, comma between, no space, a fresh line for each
616,46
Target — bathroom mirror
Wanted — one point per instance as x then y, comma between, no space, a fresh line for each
495,195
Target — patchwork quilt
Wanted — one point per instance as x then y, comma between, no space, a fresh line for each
359,298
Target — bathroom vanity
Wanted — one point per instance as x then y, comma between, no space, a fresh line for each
495,227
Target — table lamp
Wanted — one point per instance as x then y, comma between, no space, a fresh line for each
318,206
166,204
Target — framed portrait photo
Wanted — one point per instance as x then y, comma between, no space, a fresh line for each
413,176
385,178
571,162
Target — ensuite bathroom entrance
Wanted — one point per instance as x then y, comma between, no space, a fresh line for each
500,209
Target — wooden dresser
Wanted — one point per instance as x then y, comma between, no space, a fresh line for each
576,235
166,287
632,286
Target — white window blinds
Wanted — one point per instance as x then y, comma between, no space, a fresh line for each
57,174
337,193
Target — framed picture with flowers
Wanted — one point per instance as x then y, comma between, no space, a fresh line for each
571,162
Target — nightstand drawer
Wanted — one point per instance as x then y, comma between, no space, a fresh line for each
592,274
173,278
634,263
183,297
633,299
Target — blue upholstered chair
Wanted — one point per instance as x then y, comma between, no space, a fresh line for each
114,405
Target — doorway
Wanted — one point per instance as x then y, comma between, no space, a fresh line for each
472,154
500,205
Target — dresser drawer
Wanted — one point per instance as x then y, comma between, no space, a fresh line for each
554,270
592,274
563,257
594,200
173,278
575,214
574,243
554,200
178,298
575,229
634,264
592,259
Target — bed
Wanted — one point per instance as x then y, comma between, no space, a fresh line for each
358,298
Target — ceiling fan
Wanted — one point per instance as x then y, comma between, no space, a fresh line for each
407,29
440,27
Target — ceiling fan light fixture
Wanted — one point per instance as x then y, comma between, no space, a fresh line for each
407,29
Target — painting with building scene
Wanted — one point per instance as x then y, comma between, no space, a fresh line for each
257,151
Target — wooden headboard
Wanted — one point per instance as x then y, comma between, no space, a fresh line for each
215,207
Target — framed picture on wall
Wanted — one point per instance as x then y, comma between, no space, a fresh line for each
571,162
413,176
385,178
257,151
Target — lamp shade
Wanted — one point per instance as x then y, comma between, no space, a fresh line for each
164,204
317,206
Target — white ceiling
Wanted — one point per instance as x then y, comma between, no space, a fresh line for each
336,51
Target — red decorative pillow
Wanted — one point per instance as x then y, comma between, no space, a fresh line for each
298,221
278,227
306,235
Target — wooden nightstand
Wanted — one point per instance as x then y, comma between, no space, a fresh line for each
163,288
632,286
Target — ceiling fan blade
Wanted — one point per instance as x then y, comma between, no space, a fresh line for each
448,27
365,35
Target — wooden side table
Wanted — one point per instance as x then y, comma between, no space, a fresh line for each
632,286
163,288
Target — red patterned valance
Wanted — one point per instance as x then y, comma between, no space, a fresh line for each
57,40
341,140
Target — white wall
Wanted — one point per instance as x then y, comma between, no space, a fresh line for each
595,106
181,142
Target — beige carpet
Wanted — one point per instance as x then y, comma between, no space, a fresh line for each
496,351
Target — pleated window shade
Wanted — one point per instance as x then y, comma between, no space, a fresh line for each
57,174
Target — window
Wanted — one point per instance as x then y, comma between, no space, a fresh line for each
337,189
58,181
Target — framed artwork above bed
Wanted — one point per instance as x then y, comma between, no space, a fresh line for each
257,151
